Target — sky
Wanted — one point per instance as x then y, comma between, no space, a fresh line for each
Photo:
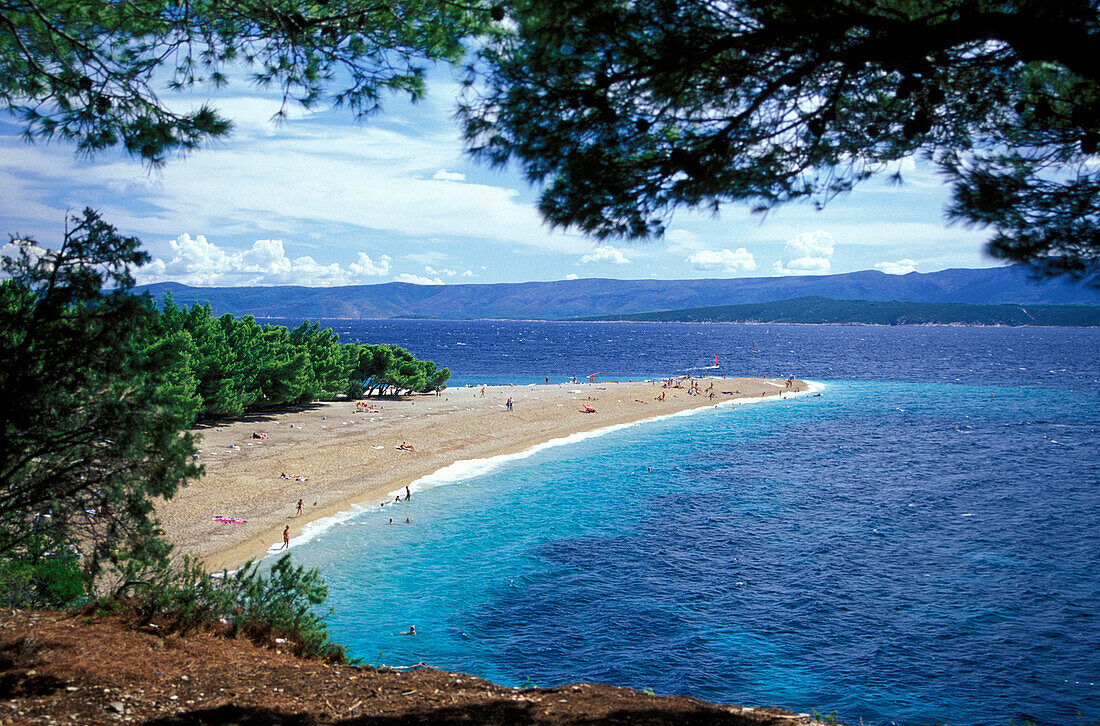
322,199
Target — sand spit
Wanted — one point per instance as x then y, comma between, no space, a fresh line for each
349,458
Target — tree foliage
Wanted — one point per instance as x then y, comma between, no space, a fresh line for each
264,608
239,366
96,406
99,389
89,71
628,110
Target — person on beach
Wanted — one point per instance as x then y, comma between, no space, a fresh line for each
299,513
508,405
286,538
408,494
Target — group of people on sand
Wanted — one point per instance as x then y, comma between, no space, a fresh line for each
364,407
694,389
296,477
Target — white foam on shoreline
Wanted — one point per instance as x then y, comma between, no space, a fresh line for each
466,469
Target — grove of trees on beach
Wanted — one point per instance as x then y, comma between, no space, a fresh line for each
235,365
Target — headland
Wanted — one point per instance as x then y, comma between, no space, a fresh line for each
336,456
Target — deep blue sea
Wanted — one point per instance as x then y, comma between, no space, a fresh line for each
920,544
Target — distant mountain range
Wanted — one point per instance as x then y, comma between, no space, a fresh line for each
571,299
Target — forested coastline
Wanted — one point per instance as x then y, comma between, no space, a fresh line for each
101,387
235,365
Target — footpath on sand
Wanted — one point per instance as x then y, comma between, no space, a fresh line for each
333,456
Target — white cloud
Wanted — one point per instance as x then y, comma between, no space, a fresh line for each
606,253
447,271
807,254
366,266
727,260
417,279
572,276
199,262
451,176
901,267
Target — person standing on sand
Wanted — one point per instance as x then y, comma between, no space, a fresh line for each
286,538
299,514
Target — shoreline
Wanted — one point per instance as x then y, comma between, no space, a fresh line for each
351,461
317,527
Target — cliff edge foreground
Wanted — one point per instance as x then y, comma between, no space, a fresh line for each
60,668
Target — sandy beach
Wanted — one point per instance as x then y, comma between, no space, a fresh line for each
350,458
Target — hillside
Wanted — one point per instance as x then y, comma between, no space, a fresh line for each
569,299
820,310
58,668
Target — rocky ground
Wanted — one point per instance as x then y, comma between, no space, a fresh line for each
58,668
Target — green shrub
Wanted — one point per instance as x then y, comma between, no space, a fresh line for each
41,574
278,606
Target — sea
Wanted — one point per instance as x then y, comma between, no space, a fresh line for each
918,544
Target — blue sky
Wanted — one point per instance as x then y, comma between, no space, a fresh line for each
321,199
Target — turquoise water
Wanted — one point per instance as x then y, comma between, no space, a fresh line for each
898,551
